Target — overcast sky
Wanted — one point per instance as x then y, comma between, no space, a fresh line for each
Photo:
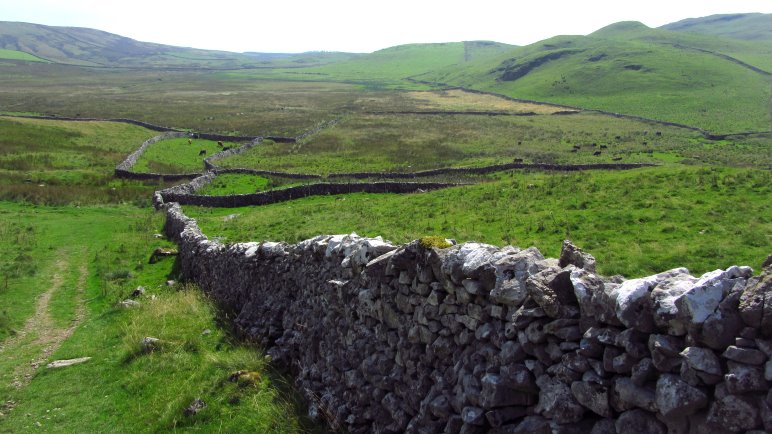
355,25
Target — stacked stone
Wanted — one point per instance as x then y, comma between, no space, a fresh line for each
475,338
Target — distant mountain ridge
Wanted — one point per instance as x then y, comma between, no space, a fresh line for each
97,48
751,26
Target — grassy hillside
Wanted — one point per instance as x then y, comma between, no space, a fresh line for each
628,68
754,27
390,66
89,47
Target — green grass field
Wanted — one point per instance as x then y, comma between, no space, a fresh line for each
56,163
232,183
704,219
177,156
19,55
405,143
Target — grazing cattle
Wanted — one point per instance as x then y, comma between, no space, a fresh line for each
531,186
645,143
202,152
658,133
518,160
603,147
520,143
575,150
618,137
219,143
577,147
596,153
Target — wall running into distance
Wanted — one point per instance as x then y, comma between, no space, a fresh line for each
474,338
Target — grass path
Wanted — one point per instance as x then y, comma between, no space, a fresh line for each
41,337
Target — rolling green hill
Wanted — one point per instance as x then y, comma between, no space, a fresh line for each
753,27
95,48
628,68
403,61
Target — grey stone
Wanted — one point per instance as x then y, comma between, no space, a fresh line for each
472,286
496,392
643,371
722,326
511,352
768,371
734,413
623,364
529,425
744,355
632,301
743,378
639,422
592,396
500,416
675,397
587,288
520,378
552,290
556,401
754,300
473,416
665,351
701,366
604,426
572,255
626,395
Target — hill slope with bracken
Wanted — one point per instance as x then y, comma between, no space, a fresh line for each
718,84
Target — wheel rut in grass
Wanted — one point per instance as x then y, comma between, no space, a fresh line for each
40,332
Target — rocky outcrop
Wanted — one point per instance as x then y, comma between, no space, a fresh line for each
476,338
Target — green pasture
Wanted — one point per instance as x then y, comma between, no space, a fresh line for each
635,222
19,55
405,143
233,183
57,163
179,155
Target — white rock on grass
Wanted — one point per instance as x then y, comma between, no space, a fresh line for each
68,362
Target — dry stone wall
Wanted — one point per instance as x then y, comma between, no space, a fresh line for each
185,194
476,338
